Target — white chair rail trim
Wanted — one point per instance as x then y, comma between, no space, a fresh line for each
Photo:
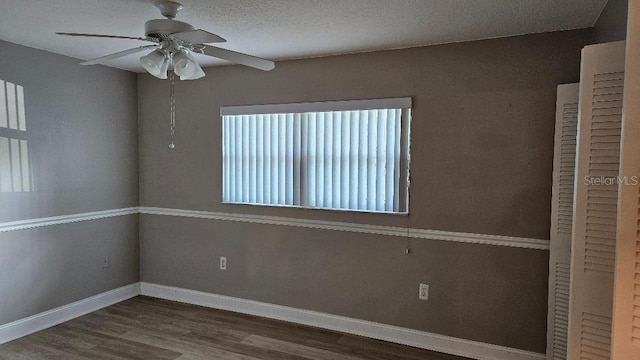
65,219
500,240
485,239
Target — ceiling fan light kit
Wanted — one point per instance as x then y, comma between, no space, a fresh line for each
185,66
156,63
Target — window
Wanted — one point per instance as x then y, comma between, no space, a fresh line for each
343,155
14,153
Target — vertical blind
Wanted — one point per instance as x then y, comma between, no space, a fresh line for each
328,155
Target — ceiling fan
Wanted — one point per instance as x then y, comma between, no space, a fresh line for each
174,42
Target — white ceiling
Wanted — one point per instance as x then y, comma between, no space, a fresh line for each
286,29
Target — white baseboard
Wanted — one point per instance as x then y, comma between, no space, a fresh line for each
399,335
41,321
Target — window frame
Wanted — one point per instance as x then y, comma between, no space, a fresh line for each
404,104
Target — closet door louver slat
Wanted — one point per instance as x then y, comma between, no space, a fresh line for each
561,220
596,199
626,311
635,325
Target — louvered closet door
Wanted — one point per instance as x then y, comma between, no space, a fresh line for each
596,199
562,219
626,332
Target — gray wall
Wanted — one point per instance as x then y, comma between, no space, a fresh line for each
612,23
82,136
82,133
482,143
47,267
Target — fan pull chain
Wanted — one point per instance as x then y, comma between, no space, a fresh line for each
172,105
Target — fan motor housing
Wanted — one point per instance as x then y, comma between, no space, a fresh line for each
161,28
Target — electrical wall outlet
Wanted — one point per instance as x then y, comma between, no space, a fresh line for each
105,262
423,293
223,263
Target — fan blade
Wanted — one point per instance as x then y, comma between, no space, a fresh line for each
239,58
198,37
118,54
106,36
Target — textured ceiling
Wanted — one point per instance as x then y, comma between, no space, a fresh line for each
286,29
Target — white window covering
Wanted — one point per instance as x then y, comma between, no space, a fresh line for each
348,155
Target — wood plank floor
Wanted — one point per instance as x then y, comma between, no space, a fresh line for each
148,328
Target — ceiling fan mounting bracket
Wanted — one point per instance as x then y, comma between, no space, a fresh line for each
171,46
168,8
